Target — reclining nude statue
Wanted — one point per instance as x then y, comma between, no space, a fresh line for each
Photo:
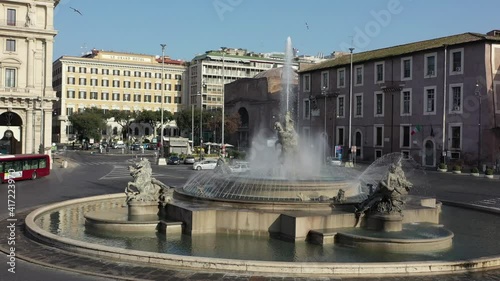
145,188
388,197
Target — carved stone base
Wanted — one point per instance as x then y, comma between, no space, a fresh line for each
383,222
140,208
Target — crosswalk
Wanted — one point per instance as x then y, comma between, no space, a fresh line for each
96,163
120,172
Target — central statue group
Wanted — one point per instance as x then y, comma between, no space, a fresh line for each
145,188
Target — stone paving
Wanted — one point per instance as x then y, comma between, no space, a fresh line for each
31,251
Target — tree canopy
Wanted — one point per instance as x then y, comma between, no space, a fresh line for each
89,123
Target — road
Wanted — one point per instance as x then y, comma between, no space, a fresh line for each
95,174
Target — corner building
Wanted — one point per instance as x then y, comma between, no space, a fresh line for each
112,80
26,95
435,100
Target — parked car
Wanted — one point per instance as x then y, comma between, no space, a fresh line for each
135,146
208,164
189,159
174,160
240,167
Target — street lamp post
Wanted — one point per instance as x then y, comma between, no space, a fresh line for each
350,107
161,158
201,119
477,92
325,94
223,148
192,126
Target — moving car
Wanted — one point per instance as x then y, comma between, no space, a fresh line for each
189,159
240,168
174,160
208,164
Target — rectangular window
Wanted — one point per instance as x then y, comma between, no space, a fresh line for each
93,95
158,99
307,109
340,106
358,99
126,84
105,82
379,104
137,74
378,153
137,97
178,100
168,99
359,75
404,136
104,96
341,78
10,45
456,137
69,111
93,82
147,98
71,69
340,135
11,17
178,88
137,85
379,72
83,81
70,94
325,83
158,75
126,97
82,70
93,70
10,77
456,98
307,83
116,96
378,139
71,80
430,65
406,102
105,71
430,100
116,72
406,66
178,77
157,86
82,95
126,73
456,61
116,83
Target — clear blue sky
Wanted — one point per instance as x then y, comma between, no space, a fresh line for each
191,27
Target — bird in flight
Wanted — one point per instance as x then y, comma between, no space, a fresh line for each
307,26
76,11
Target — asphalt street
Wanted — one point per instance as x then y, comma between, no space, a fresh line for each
95,174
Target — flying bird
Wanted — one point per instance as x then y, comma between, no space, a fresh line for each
76,11
307,26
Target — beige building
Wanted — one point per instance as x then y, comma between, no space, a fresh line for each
112,80
26,94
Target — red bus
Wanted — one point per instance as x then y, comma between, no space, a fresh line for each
24,166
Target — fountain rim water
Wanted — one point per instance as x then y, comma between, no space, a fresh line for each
233,265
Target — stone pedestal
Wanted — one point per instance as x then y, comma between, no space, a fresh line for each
140,208
162,161
386,223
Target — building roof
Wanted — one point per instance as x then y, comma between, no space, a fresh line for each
402,50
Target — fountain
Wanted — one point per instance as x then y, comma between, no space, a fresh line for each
289,215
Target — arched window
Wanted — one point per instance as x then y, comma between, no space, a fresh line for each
146,131
136,131
115,131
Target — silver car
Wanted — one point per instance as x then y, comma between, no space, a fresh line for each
208,164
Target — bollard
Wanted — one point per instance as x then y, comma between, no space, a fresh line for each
123,150
64,164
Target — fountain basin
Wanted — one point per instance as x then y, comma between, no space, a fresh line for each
424,265
119,220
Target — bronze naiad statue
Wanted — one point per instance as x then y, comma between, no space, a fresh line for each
388,197
145,188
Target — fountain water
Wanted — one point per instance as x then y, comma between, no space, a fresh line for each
288,195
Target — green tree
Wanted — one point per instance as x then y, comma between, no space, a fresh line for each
88,124
123,118
153,118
